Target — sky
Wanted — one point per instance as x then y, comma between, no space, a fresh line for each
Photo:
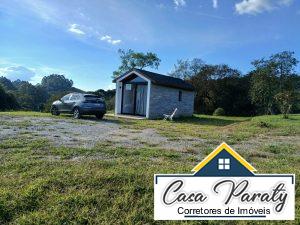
80,38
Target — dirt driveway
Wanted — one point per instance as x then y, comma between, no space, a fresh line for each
86,133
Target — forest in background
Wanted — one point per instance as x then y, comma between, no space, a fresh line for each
271,87
22,95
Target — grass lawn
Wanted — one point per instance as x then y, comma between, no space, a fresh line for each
46,184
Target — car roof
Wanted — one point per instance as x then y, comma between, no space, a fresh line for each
84,95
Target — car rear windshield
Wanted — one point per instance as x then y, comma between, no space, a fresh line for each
93,99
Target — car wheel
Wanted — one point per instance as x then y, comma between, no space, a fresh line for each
76,113
54,111
99,116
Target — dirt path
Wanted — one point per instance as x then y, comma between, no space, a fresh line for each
87,133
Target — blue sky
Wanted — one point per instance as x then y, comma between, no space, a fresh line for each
80,38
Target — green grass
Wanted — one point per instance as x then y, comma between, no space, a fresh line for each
216,128
25,113
44,184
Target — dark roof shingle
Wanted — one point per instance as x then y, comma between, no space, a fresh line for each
163,80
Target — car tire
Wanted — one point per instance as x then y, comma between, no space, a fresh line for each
99,116
76,113
54,111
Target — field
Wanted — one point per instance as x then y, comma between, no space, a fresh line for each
56,170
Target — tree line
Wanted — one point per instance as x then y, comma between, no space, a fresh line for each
271,87
22,95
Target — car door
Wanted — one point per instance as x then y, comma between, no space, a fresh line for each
64,103
71,102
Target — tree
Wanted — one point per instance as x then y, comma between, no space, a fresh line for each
285,101
131,59
30,97
232,91
24,95
284,66
7,100
7,84
56,83
216,86
108,96
270,77
296,82
205,89
185,69
263,89
51,99
36,97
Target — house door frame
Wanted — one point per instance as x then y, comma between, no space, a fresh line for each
134,86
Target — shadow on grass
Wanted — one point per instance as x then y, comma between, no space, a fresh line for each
210,121
105,119
195,120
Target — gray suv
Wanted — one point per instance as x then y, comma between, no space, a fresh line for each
79,104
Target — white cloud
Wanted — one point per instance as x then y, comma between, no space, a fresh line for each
17,72
110,86
97,17
42,8
286,2
258,6
253,6
115,42
215,3
74,29
43,70
179,3
33,75
109,39
105,38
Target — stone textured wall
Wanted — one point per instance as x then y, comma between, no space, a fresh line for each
163,100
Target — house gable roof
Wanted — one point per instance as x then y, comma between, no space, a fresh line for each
162,80
224,150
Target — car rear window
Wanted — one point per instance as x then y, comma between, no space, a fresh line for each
93,99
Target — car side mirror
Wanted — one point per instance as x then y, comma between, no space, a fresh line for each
61,100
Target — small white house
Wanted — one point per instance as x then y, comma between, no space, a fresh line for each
143,93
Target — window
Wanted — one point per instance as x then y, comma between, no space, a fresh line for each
74,97
224,164
66,98
180,96
93,99
128,87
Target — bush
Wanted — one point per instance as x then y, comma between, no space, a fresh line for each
54,97
263,124
110,103
219,112
285,102
7,100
